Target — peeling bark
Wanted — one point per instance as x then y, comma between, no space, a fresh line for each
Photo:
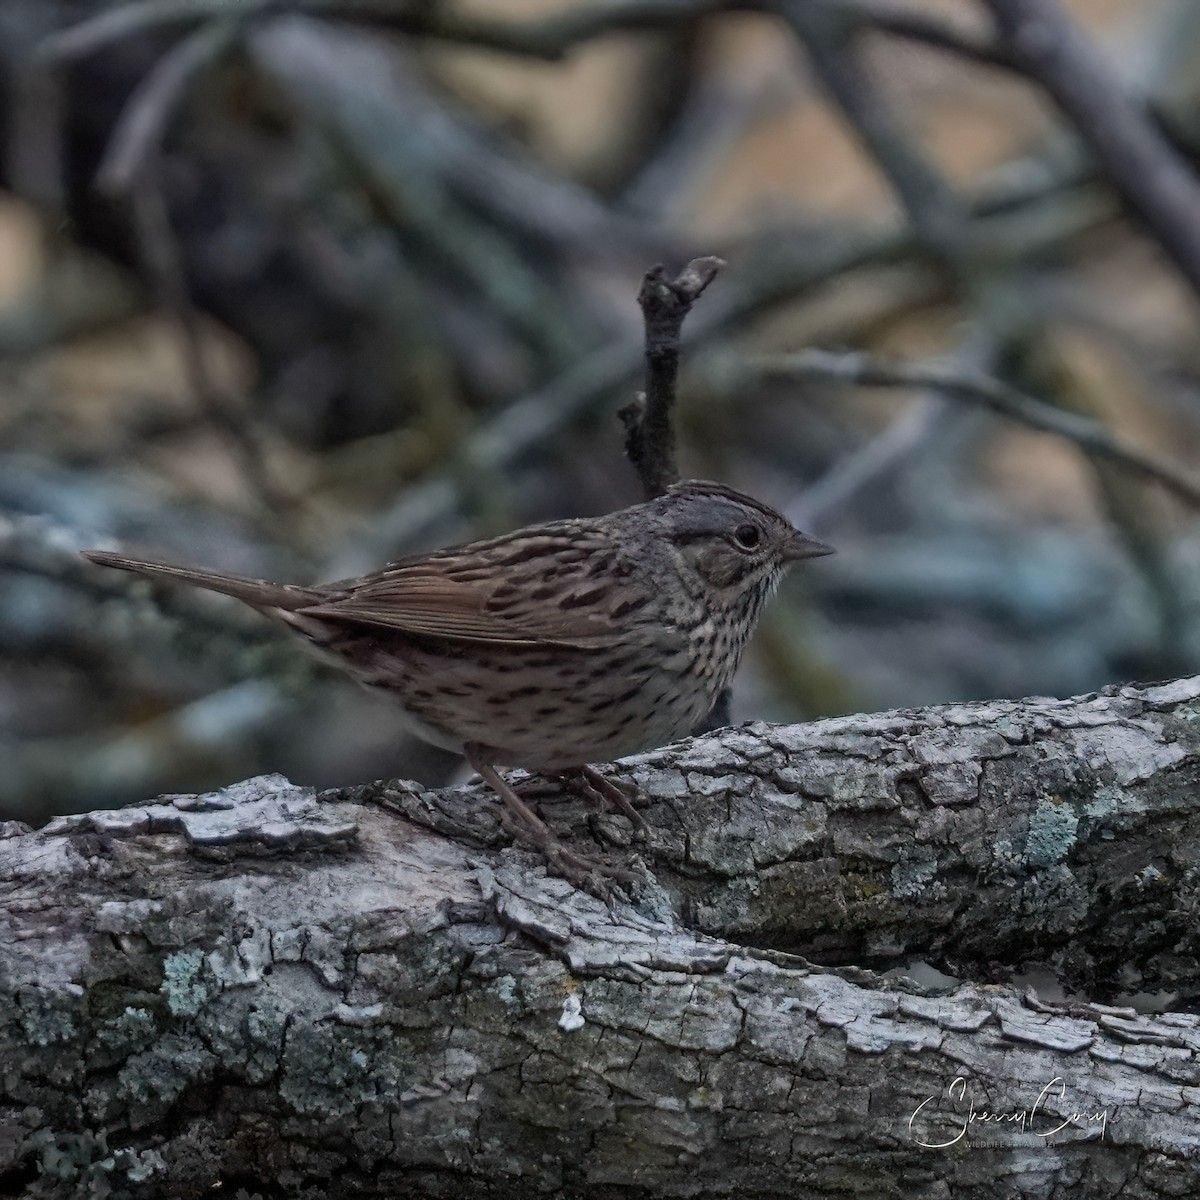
969,834
370,994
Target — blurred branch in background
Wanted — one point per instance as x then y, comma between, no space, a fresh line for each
418,231
934,212
1135,157
153,225
1089,435
139,131
86,620
780,271
38,546
550,37
1140,532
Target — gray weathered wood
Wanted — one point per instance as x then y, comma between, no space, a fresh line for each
370,994
973,833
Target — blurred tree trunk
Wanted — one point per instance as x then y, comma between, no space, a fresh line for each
367,994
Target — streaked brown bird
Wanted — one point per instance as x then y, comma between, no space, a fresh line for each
554,646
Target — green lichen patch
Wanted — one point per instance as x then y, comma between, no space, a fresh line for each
334,1070
1051,833
155,1079
913,877
44,1018
182,985
131,1032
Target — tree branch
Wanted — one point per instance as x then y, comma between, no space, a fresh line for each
1135,156
332,993
937,215
1089,435
974,833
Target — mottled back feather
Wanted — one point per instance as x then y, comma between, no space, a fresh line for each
512,590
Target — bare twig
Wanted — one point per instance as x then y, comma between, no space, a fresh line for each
508,439
990,393
649,432
1139,161
649,420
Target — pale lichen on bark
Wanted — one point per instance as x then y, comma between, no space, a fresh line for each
371,993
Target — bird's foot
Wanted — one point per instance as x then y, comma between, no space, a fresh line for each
590,875
599,787
590,784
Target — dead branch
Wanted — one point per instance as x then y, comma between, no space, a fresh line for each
339,995
648,421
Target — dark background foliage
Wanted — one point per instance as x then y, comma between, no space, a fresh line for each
293,288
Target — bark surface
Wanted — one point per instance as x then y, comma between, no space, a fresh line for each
371,993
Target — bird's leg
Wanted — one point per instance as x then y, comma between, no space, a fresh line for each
586,782
603,788
585,873
591,785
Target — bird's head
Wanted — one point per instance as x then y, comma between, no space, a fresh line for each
738,546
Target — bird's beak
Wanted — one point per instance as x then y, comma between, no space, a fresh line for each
802,546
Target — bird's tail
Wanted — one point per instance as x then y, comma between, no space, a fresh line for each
256,592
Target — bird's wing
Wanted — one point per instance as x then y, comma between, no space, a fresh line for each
503,593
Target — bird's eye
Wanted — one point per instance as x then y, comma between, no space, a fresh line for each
747,537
